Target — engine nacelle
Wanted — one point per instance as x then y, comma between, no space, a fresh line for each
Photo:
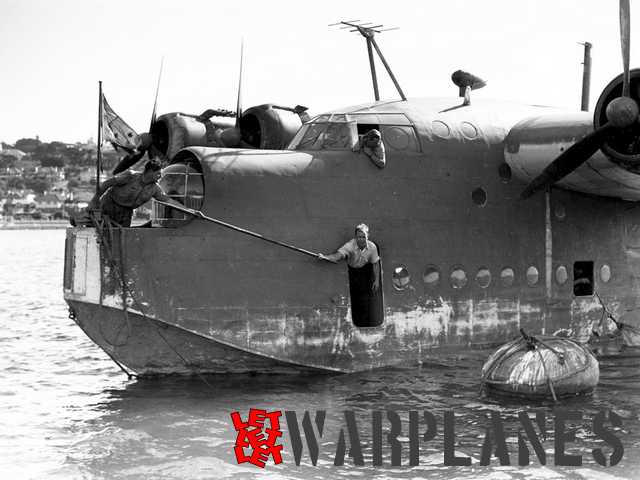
265,126
269,126
173,131
623,148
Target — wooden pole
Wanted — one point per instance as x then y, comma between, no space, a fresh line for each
99,151
199,214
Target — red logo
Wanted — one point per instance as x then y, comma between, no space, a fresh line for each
253,434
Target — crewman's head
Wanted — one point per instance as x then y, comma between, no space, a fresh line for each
362,234
152,171
372,138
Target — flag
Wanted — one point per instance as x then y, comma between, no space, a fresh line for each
116,130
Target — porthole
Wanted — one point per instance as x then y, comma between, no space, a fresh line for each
397,138
431,276
483,277
504,170
605,273
440,128
479,197
458,278
532,276
562,275
507,276
401,277
468,130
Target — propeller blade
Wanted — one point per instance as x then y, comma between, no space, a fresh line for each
155,102
239,103
625,34
231,137
569,160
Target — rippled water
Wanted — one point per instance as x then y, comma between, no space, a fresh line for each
66,411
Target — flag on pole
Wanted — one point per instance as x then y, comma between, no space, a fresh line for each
116,130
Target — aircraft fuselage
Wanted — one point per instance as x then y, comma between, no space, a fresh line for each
465,262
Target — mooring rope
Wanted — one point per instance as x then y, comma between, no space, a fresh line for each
546,372
606,313
72,316
103,224
533,343
129,292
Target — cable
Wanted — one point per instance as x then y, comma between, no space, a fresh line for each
128,291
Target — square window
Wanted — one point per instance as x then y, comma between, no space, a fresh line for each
583,279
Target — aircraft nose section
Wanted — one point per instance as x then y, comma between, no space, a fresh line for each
184,183
228,182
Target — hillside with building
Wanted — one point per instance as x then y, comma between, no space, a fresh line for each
42,181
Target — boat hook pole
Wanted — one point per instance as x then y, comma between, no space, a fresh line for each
199,214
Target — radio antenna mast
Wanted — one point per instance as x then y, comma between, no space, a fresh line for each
368,31
586,76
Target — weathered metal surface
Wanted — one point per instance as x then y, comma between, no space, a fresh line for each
151,347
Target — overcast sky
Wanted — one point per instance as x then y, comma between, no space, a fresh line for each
53,53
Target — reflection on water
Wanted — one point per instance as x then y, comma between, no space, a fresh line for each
67,412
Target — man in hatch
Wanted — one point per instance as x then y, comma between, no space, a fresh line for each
359,252
364,274
120,195
373,147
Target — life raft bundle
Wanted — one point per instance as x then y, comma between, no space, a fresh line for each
541,367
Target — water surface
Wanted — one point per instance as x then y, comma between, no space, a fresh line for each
66,411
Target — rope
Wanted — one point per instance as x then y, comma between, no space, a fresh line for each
533,341
127,291
546,372
199,214
606,313
533,344
123,282
72,316
505,354
630,333
103,224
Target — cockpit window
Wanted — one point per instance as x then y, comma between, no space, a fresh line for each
310,134
326,132
340,131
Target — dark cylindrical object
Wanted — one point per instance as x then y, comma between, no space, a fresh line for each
586,77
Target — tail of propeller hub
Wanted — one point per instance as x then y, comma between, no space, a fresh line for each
623,113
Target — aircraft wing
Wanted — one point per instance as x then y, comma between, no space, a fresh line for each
533,143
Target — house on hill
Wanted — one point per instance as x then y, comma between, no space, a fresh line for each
48,203
78,200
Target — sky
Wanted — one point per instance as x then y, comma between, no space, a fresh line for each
53,53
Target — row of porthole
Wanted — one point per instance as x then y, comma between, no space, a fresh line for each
458,276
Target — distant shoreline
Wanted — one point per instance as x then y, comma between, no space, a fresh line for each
35,225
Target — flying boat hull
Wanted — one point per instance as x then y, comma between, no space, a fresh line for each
465,263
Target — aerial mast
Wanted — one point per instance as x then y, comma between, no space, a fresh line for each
368,31
586,76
